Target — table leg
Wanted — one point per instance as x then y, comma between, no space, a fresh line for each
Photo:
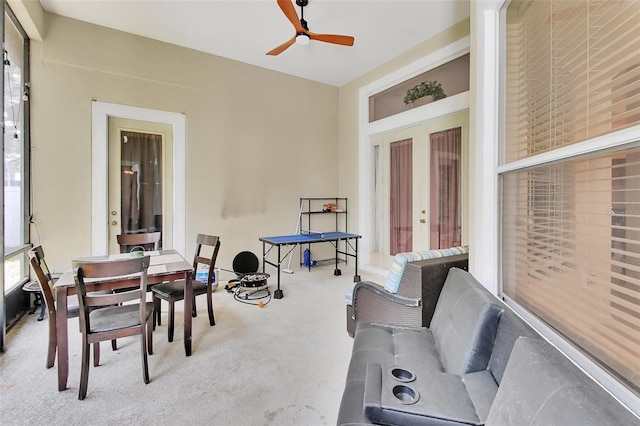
356,277
62,337
188,307
278,294
337,272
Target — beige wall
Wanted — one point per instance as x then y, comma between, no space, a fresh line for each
256,140
349,110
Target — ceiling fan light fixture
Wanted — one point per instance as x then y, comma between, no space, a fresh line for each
302,39
302,35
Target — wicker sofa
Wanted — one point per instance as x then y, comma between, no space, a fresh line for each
477,363
409,295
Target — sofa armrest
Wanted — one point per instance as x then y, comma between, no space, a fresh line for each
427,277
372,303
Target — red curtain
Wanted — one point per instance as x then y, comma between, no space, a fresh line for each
401,196
445,215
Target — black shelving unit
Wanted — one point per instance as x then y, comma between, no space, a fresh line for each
312,207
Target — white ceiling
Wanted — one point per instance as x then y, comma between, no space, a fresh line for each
244,30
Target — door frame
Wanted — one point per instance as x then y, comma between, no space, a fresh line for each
367,131
420,134
100,113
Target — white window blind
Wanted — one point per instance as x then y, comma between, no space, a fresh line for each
571,228
573,72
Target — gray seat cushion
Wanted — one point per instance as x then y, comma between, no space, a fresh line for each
542,387
114,317
175,289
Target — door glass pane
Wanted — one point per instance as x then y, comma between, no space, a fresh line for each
445,175
401,196
141,182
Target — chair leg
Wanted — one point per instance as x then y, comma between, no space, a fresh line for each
194,310
84,371
171,314
143,350
156,311
212,320
96,354
114,345
43,308
53,341
149,329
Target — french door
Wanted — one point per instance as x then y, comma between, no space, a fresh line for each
418,183
138,195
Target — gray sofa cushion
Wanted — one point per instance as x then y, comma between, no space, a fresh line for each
510,328
412,348
542,387
464,323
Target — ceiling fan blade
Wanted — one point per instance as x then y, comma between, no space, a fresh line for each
290,12
284,46
332,38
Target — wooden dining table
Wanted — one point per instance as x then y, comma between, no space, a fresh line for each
165,265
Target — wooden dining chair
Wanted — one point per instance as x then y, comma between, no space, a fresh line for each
45,281
106,317
148,241
174,291
127,242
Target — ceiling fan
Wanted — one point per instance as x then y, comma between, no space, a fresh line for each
303,35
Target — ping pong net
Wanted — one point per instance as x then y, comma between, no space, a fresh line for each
311,233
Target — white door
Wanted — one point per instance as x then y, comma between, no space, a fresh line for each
140,176
418,188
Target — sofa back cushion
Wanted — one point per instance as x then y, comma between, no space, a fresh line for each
510,328
542,387
401,259
464,323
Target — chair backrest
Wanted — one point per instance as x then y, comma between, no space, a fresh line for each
40,268
206,257
131,269
148,240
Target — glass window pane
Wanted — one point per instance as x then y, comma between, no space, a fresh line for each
571,238
453,76
571,229
15,193
13,137
572,72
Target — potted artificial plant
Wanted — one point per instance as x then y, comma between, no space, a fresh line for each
431,89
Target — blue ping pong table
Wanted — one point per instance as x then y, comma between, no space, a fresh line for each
318,237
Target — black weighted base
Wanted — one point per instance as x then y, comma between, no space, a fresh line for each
337,272
278,294
356,278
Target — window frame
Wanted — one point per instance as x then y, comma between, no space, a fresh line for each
13,300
